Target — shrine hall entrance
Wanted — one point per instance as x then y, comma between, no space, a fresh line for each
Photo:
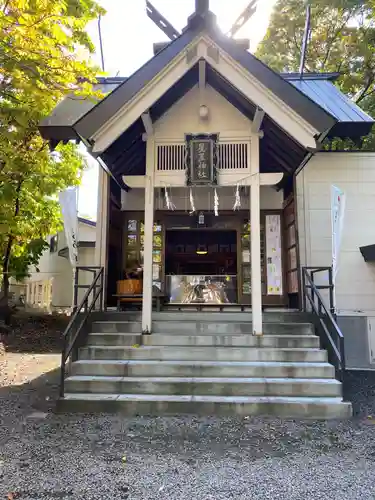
206,258
201,266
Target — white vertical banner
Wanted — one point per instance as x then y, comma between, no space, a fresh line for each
273,255
338,200
69,206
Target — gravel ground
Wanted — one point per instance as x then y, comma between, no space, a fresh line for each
105,457
48,456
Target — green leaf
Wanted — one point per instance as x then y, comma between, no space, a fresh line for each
39,65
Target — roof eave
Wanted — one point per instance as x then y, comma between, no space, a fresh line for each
90,123
309,110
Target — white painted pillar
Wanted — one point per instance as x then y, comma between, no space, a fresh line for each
148,241
102,215
256,274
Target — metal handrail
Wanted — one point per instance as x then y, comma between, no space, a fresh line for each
70,343
325,316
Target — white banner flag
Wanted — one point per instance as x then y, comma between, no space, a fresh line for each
68,202
337,216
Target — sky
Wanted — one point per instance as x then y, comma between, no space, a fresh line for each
128,35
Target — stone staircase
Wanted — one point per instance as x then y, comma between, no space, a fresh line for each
204,363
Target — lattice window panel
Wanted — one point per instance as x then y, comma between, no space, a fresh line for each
232,155
171,157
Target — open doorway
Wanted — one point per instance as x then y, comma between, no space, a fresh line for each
201,266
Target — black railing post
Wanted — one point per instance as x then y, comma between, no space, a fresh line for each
312,287
94,291
62,370
75,292
331,291
342,352
101,289
71,336
304,291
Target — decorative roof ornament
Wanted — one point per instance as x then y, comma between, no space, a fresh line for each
202,12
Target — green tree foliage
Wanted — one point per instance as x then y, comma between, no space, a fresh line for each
39,40
342,40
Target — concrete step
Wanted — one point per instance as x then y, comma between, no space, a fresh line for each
115,339
244,340
270,315
143,404
204,386
195,327
147,368
203,353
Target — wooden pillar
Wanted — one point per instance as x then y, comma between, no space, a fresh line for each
102,217
256,274
148,241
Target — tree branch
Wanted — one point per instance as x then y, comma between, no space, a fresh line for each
363,94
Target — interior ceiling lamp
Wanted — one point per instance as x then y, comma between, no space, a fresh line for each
202,250
203,112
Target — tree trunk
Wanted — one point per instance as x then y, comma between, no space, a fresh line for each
5,310
6,268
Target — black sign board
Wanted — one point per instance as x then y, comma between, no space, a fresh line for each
201,159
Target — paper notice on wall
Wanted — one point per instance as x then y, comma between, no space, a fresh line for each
155,271
273,255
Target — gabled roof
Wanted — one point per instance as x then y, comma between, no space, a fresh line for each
127,153
313,97
94,119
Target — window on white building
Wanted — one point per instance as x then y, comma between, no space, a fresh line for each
53,244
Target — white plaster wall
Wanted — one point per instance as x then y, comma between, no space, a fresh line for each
354,173
86,232
270,199
183,118
51,265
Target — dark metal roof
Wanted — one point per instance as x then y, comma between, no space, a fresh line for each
330,98
109,106
97,116
311,97
300,103
87,221
368,253
311,76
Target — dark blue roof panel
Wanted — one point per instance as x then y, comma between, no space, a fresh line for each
330,98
